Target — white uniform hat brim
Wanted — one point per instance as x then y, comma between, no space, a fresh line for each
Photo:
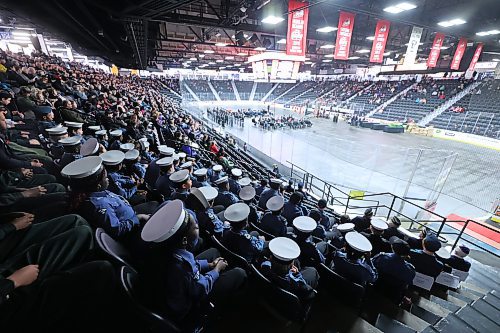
345,227
127,146
221,180
83,167
237,212
116,133
179,176
304,223
201,198
71,141
379,224
247,193
209,192
165,161
112,157
275,203
236,172
443,253
132,154
358,242
217,167
200,172
245,181
165,150
284,249
164,223
89,147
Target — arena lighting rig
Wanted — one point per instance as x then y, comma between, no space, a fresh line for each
275,66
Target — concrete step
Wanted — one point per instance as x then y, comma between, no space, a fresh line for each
432,307
462,296
481,280
386,324
477,320
430,329
445,304
424,314
487,310
495,293
469,292
453,324
468,285
456,301
492,300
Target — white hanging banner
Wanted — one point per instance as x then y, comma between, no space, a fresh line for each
411,51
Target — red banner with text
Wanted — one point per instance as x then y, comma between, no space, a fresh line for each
435,50
344,34
476,56
459,53
297,28
378,47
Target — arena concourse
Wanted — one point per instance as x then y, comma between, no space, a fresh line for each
253,165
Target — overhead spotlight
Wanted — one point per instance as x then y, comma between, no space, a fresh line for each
209,51
100,32
217,33
243,9
271,19
281,41
326,29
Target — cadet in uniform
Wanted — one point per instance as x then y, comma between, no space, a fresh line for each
268,193
134,167
71,153
153,171
116,138
215,173
280,269
424,260
262,186
102,208
146,155
457,260
361,223
392,229
200,200
375,236
310,255
349,263
325,219
201,178
163,184
102,137
45,118
395,273
181,285
55,134
272,222
237,239
90,148
225,198
292,208
118,183
181,183
247,194
234,186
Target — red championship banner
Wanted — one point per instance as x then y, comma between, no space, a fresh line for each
378,47
476,56
435,50
459,53
344,34
297,28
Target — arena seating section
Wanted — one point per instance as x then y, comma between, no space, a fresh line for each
224,89
279,90
406,106
244,89
261,90
201,89
481,113
297,90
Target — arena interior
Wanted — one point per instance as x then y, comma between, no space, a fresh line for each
250,166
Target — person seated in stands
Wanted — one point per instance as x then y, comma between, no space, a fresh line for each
116,138
103,209
71,153
310,255
350,264
457,259
69,114
293,208
163,183
272,222
395,273
376,236
237,239
300,188
215,173
325,219
181,182
45,118
102,137
234,186
133,166
280,269
361,223
393,229
200,201
424,260
74,129
224,198
270,192
200,178
181,285
247,195
153,170
44,286
262,186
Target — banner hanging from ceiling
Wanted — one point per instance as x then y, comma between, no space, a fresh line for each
435,50
459,53
476,56
378,46
413,44
297,28
344,34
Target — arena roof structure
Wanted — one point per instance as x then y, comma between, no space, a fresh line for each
175,33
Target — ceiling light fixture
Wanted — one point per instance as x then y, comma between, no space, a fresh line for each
327,60
229,58
329,55
401,7
445,47
201,56
308,62
209,51
326,29
353,58
387,53
220,44
496,59
488,33
242,54
237,65
281,41
370,37
363,51
211,63
193,59
451,23
327,46
271,19
260,48
219,60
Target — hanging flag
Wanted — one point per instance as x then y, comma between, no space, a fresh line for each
297,28
435,50
476,56
459,53
378,46
344,34
413,44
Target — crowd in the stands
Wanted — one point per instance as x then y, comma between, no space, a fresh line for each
85,153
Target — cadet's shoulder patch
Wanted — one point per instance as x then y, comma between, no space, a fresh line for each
102,211
248,236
